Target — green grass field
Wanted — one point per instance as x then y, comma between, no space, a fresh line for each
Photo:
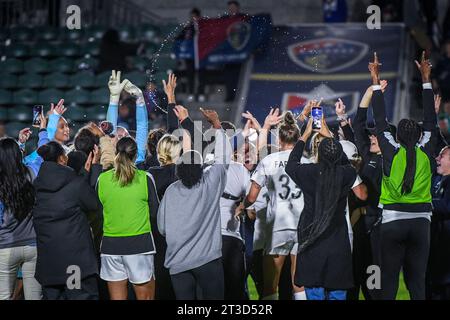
401,295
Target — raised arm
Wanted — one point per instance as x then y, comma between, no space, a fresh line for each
362,140
272,119
198,140
342,117
54,115
386,141
33,160
430,130
252,123
141,119
115,89
222,147
294,161
169,89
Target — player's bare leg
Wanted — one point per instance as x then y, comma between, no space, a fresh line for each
145,291
299,292
272,270
118,290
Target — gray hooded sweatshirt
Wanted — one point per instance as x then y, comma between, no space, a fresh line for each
189,218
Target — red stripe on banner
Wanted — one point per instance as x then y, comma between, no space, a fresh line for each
295,102
213,32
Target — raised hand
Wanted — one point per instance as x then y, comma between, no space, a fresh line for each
43,120
24,135
247,127
383,84
374,68
169,87
316,103
324,130
365,101
340,108
307,133
306,111
181,112
424,67
212,117
96,155
134,91
437,103
273,118
253,122
88,163
115,86
58,109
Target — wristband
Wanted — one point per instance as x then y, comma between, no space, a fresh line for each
427,85
343,117
376,87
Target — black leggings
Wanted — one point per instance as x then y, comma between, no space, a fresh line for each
233,259
362,258
404,243
207,280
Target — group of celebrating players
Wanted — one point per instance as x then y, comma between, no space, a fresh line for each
178,213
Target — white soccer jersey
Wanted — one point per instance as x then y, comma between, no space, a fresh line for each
238,180
285,198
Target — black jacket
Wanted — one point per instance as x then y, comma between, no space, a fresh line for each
164,177
439,262
61,225
371,170
327,262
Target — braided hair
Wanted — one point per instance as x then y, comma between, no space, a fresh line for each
408,135
328,191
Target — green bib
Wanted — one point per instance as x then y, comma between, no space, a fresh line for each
391,188
125,209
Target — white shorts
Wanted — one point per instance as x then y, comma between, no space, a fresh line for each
137,268
282,243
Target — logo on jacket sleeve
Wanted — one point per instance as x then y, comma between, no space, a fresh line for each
327,54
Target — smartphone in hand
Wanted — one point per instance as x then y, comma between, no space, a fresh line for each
37,111
317,114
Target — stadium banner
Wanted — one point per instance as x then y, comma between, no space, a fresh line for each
323,61
224,40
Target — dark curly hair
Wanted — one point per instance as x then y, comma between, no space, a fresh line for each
189,168
16,190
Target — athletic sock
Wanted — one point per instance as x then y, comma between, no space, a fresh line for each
271,297
300,295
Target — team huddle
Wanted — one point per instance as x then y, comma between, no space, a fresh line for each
178,213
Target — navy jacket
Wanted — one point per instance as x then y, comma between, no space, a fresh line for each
439,262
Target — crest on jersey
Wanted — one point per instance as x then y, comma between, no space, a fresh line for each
238,34
327,54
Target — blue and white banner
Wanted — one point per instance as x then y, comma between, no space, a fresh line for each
323,61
